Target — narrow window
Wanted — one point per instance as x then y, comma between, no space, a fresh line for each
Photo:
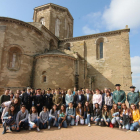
101,50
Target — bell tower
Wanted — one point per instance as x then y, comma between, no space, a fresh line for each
55,18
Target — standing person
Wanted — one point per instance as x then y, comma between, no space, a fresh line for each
119,96
70,111
32,92
124,117
79,114
48,99
115,115
33,119
74,91
133,97
88,112
5,97
97,98
103,95
38,100
63,97
69,98
9,119
106,116
17,97
22,118
108,100
43,92
57,99
62,117
79,98
88,97
27,99
97,114
44,117
53,117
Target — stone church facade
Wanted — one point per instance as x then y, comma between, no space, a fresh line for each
44,53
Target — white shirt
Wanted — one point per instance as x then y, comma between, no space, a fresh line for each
80,97
87,97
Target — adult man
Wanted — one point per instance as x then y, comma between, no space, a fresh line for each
103,96
79,98
48,102
5,97
133,97
88,97
27,99
119,96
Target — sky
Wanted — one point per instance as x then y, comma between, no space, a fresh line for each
90,17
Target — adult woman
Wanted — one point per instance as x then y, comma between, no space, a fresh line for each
106,116
135,118
9,119
124,117
115,115
62,117
69,97
96,117
108,100
79,114
97,98
87,113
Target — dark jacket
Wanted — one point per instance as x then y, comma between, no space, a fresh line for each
88,111
48,101
97,113
82,101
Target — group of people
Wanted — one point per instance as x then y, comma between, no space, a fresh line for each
58,108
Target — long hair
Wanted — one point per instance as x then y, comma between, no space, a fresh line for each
53,109
132,109
77,109
64,109
113,110
126,110
103,110
31,110
9,112
86,108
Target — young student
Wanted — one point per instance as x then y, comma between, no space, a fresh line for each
79,114
96,117
124,117
33,119
9,119
106,116
135,118
108,100
53,117
17,97
44,117
22,118
87,113
70,111
62,117
115,115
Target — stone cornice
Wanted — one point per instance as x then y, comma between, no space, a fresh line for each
19,22
55,55
94,35
54,6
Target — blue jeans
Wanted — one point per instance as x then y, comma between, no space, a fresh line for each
41,126
70,120
115,120
97,120
52,121
87,120
36,121
64,124
127,126
107,120
134,126
23,124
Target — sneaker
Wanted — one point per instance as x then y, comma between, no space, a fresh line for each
138,129
29,128
49,127
76,124
123,127
38,129
89,125
58,127
120,127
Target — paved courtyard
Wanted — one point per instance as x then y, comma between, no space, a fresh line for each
73,133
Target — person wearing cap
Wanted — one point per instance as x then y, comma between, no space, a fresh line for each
38,101
119,96
57,99
27,99
48,102
133,97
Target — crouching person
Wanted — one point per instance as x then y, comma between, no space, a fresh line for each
62,117
9,119
22,118
106,116
70,111
44,117
33,119
97,113
115,115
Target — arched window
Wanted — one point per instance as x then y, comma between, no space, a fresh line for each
14,55
99,48
57,27
52,46
44,77
42,21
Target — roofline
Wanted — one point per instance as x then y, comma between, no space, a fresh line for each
20,22
95,35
